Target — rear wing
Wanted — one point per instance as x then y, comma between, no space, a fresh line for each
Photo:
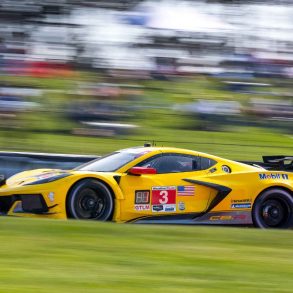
275,163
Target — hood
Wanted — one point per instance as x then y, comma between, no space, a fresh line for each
27,177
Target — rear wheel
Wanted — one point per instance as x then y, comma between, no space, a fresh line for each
90,199
273,209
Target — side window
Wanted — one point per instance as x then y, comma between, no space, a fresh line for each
173,163
206,163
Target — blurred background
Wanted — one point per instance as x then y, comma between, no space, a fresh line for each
90,77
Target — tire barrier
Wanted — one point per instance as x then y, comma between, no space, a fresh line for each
14,162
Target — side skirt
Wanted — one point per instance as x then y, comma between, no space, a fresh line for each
211,218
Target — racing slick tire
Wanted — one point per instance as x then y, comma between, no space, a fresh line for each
273,209
90,199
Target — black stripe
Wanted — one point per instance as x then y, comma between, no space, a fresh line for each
223,191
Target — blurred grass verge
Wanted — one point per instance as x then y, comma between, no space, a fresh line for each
247,144
49,130
73,256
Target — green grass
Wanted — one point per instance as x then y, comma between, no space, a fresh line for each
72,256
40,130
246,144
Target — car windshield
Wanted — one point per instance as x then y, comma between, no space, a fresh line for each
110,163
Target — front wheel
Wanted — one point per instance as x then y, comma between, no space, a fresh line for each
273,209
90,199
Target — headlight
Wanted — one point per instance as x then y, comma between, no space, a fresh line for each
49,179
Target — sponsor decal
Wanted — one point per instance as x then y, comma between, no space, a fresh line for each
162,195
142,207
244,203
181,206
170,208
138,151
157,208
142,196
245,200
226,169
228,217
263,176
241,206
185,190
164,208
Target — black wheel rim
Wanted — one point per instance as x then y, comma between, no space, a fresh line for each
274,213
90,204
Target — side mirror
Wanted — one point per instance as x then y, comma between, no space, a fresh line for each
141,171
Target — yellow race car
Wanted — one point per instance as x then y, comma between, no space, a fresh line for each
158,185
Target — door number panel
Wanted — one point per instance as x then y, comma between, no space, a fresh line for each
163,195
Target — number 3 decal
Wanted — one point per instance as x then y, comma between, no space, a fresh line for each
164,195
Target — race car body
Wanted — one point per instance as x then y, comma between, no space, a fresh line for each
157,185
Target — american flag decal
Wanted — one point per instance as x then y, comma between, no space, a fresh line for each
185,190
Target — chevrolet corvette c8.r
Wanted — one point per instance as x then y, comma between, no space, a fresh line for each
158,185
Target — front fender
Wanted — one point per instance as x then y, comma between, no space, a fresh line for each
108,179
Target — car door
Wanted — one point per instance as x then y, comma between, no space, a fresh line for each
165,192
